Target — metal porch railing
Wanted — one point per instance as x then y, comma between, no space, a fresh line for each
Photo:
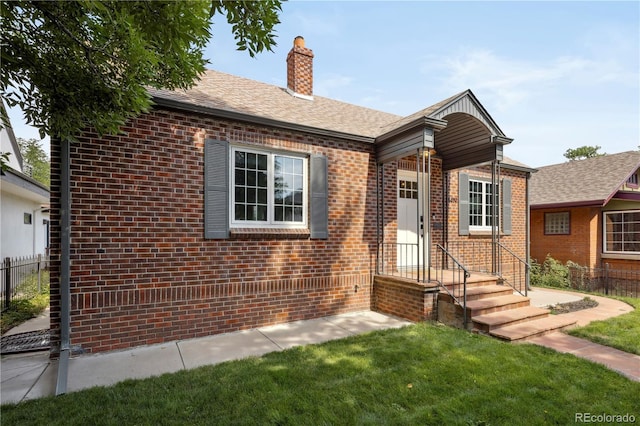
452,277
487,257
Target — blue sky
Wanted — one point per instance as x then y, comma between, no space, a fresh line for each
553,75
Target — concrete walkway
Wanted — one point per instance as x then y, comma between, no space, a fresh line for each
34,375
624,363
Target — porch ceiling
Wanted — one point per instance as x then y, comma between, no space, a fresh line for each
465,141
459,128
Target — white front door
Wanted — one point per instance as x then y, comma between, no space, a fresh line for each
409,239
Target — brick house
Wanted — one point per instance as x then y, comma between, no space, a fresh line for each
238,204
588,212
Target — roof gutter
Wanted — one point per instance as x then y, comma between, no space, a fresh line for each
588,203
250,118
421,122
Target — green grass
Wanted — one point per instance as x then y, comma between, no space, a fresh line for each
421,374
621,332
30,303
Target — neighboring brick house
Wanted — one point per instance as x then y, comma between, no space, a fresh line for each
588,212
238,204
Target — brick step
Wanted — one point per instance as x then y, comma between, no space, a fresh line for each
482,292
534,328
487,291
496,304
488,322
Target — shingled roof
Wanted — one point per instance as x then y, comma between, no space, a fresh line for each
592,181
221,92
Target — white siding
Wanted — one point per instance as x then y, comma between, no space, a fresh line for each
17,238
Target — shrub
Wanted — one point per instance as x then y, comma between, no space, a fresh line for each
551,273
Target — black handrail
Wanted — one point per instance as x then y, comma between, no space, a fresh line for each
517,273
456,270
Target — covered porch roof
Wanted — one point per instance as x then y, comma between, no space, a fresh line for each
459,128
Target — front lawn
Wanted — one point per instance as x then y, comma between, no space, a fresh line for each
421,374
621,332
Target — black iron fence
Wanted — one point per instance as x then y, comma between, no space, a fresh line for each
614,282
22,277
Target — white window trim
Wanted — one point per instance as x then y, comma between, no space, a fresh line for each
604,233
270,222
476,228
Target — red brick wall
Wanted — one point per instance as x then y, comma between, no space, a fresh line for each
406,299
621,264
582,246
142,272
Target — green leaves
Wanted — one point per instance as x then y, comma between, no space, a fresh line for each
77,64
36,160
252,22
583,152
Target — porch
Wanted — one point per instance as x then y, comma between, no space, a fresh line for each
452,222
482,303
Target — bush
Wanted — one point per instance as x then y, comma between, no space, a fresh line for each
551,273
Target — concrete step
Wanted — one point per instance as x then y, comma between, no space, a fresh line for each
488,322
495,304
534,328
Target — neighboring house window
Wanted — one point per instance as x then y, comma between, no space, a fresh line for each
255,188
28,219
476,208
622,232
557,223
268,189
633,180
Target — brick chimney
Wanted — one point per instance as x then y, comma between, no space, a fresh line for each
300,70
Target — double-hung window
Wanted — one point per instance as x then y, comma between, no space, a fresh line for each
481,205
622,232
268,189
262,188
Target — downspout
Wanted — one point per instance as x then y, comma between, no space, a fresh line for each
428,224
65,265
378,202
382,234
498,224
527,275
419,217
422,212
493,218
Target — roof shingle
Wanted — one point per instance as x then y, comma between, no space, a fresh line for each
590,181
227,92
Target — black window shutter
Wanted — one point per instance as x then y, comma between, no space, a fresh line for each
319,226
463,204
216,189
506,206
